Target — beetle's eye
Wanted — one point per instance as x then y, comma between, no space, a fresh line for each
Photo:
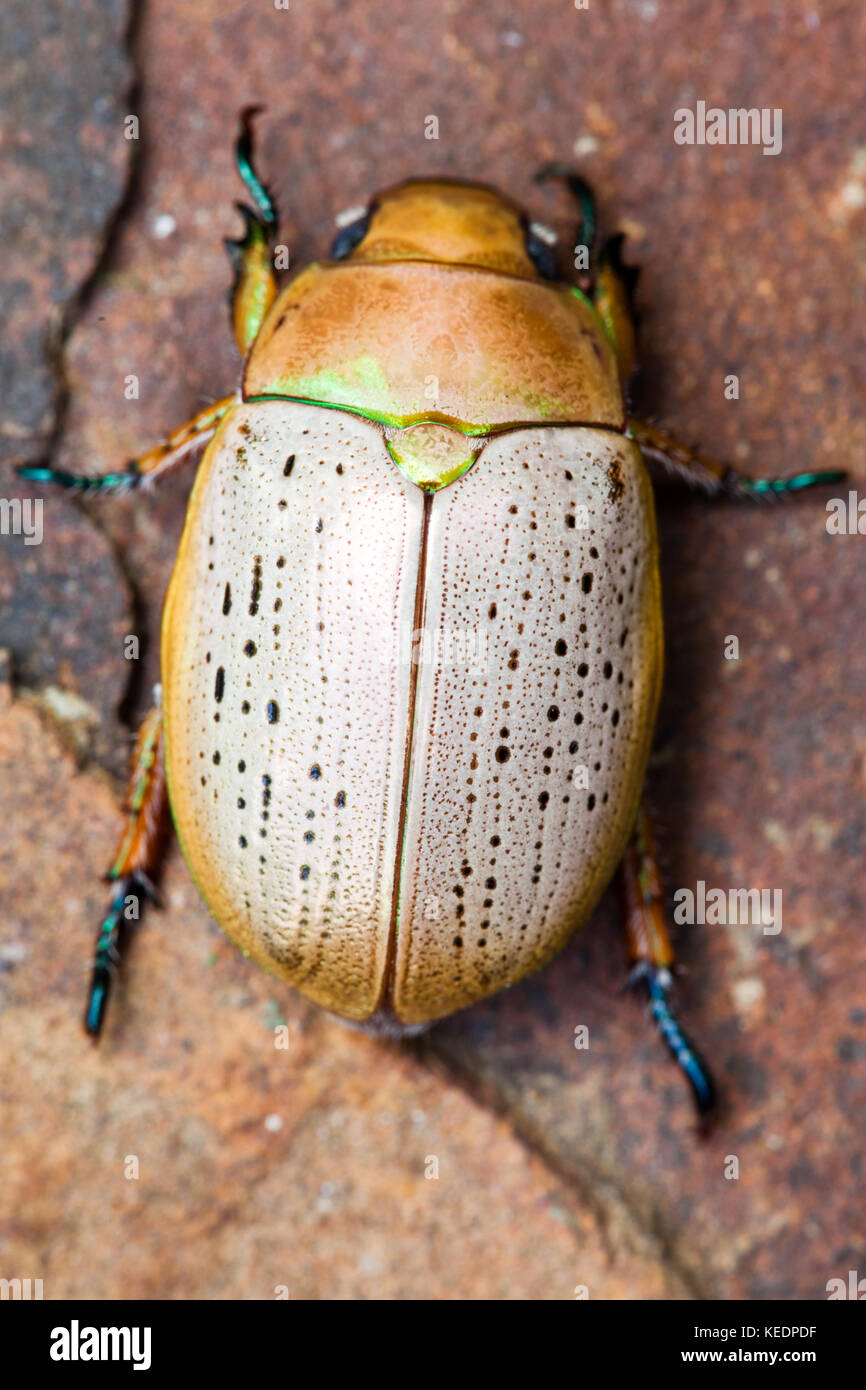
541,249
352,226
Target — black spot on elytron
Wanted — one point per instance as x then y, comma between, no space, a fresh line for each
227,599
503,754
339,468
458,941
503,733
309,836
543,798
614,718
568,476
245,707
315,772
241,803
282,504
207,657
623,635
458,890
288,466
586,583
242,841
465,871
590,802
490,883
216,758
548,753
305,871
320,526
495,840
256,590
572,747
553,714
340,800
281,562
311,815
219,684
491,612
593,552
242,767
249,649
272,711
583,669
570,521
561,648
607,670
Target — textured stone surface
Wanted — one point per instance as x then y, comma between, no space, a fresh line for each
65,167
752,265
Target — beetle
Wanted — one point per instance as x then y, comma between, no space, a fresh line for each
412,645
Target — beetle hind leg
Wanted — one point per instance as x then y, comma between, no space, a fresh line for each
678,459
135,862
651,956
255,284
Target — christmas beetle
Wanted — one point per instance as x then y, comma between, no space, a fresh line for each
412,645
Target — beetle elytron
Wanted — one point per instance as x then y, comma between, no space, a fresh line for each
430,436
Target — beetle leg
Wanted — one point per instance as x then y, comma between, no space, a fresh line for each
659,447
255,284
585,199
651,955
135,860
613,297
180,446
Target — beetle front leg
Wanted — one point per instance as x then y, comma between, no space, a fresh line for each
135,861
651,955
255,285
182,445
660,447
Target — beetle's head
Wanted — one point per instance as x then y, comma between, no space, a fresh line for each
449,222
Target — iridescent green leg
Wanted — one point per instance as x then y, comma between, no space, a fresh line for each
135,861
609,282
255,285
180,446
585,199
660,447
